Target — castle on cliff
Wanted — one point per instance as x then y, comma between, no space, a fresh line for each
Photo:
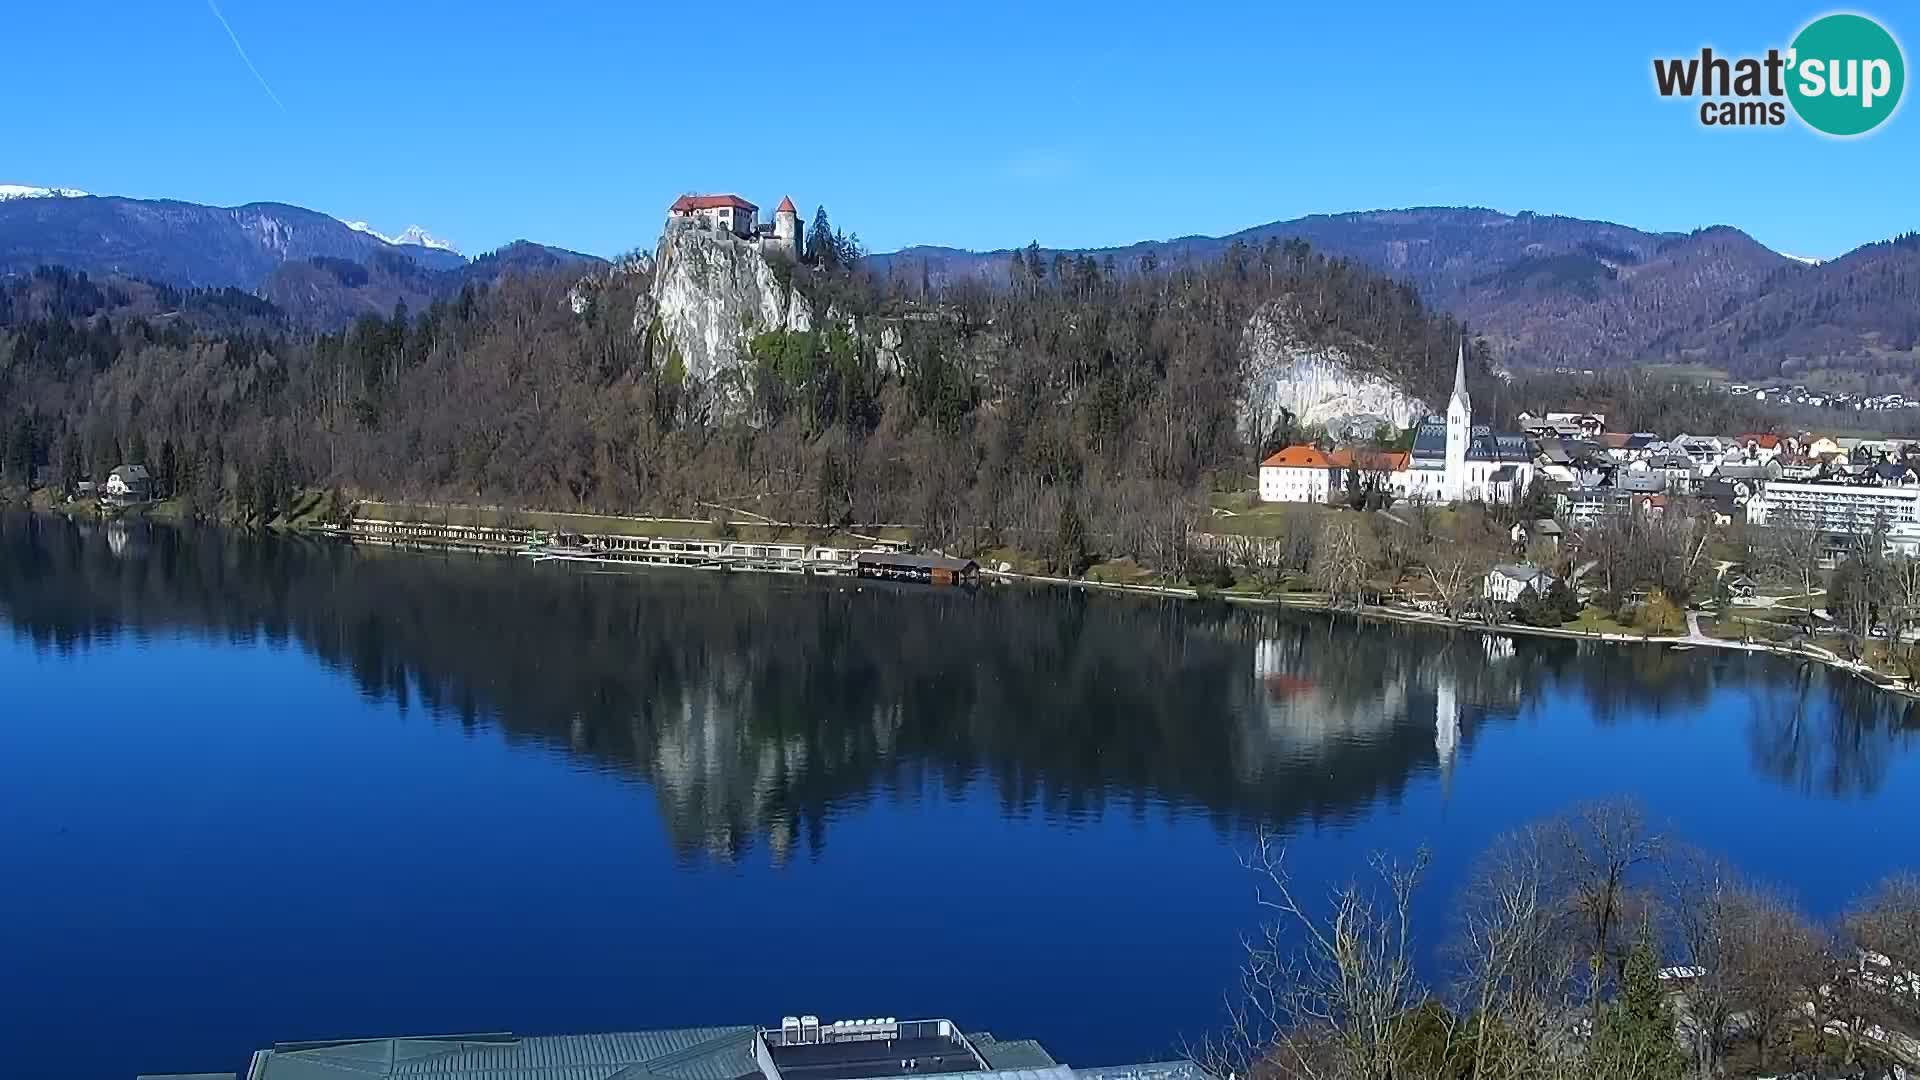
736,215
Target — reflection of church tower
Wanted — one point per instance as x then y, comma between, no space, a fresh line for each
1446,722
1459,432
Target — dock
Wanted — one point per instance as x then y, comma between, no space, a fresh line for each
881,558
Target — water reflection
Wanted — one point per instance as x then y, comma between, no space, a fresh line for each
757,710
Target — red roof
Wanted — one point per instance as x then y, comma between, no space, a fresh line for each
1297,457
1369,460
785,207
689,203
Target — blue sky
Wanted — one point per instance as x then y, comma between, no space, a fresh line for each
974,125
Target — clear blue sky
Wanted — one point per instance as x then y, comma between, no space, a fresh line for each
975,125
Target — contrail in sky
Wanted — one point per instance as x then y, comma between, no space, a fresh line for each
242,50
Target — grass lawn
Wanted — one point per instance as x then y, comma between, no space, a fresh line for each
1241,513
1594,621
1121,572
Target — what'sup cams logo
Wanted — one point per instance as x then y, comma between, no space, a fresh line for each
1843,76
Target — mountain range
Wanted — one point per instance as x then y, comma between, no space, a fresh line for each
315,268
1554,291
1543,290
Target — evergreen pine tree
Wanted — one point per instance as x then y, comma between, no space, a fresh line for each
820,250
1637,1034
169,478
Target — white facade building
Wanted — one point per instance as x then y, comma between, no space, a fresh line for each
1506,582
1842,509
1296,474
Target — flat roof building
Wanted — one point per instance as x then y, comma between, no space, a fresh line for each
801,1048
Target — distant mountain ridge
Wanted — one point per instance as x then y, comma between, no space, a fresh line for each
184,244
326,291
1543,289
1556,291
315,269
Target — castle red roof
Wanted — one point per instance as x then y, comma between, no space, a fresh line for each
785,207
689,203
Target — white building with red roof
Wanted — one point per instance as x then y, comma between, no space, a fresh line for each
731,213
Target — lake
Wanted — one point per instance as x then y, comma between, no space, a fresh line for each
257,788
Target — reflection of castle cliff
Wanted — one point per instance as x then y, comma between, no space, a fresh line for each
763,711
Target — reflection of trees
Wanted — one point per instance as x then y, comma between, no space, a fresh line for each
759,708
1823,733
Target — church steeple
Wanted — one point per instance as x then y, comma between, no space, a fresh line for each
1460,379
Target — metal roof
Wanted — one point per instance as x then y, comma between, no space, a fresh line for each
722,1053
1153,1070
1013,1054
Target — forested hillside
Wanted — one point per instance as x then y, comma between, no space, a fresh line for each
1551,291
1073,401
1854,321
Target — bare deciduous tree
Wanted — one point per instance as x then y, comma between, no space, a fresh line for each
1327,995
1456,573
1513,957
1341,560
1604,848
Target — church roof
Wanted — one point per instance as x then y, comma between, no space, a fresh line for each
1460,378
1499,446
786,206
688,203
1430,440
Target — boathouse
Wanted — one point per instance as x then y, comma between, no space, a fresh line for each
930,569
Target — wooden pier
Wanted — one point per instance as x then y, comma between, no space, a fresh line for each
613,549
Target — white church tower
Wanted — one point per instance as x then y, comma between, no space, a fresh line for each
1453,485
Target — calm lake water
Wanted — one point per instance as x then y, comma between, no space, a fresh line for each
258,789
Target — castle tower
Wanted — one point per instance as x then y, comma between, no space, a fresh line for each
786,228
1459,432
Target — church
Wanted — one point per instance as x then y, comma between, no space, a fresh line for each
1455,460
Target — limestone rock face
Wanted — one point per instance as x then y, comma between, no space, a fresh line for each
1318,384
712,292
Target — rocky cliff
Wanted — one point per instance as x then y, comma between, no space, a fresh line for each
711,294
1315,383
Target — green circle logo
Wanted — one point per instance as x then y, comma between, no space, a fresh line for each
1846,76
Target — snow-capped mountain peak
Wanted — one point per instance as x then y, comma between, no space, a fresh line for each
1807,259
22,191
413,234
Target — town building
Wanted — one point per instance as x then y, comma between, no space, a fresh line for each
1842,510
1618,492
801,1048
1307,474
1455,461
130,483
1505,583
935,569
733,214
1299,474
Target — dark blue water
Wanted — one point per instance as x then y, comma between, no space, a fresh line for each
255,789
